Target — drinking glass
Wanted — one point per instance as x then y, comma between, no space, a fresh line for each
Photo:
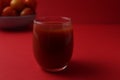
53,42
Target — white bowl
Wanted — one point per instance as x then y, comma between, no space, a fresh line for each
16,21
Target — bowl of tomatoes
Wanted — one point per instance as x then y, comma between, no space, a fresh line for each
16,13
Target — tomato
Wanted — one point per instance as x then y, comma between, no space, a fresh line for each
26,11
6,2
17,4
1,6
31,4
8,11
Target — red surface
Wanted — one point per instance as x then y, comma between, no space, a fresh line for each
96,55
82,11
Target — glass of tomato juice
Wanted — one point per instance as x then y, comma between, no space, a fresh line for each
53,42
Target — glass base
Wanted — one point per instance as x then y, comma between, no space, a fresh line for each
56,69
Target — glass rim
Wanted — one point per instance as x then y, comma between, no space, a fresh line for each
41,20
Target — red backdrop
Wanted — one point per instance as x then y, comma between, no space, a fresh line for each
82,11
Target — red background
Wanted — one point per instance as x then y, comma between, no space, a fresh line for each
82,11
96,54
